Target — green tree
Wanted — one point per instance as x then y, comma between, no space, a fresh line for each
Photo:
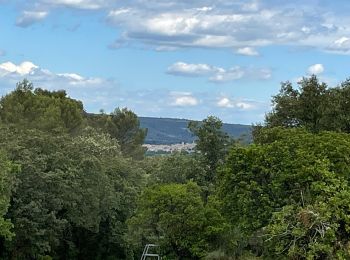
211,142
123,125
304,107
73,196
41,109
176,168
174,216
313,106
285,108
7,178
288,193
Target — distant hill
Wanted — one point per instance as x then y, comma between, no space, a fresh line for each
172,131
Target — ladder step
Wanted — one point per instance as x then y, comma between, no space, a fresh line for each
146,249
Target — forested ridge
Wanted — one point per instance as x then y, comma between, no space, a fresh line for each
174,131
76,186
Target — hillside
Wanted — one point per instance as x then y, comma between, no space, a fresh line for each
171,130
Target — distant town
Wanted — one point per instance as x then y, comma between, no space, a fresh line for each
170,148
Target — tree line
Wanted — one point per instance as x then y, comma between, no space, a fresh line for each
75,185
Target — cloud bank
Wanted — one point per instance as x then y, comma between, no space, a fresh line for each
243,26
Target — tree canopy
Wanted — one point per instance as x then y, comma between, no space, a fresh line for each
291,194
313,105
41,109
75,185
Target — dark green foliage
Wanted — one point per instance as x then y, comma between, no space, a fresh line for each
68,191
124,126
41,109
313,106
72,193
291,194
7,178
177,168
175,217
212,142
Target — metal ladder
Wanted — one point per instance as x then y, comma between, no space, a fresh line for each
145,253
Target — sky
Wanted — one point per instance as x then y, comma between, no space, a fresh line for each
174,58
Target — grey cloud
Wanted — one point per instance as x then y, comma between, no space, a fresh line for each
341,45
221,28
213,24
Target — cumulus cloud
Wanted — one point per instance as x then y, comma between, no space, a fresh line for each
25,68
225,102
217,74
45,77
191,70
183,99
169,25
316,69
235,24
247,51
30,17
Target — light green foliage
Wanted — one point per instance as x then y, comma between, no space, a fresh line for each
177,168
291,193
41,109
174,216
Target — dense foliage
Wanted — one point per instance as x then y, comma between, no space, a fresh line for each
124,126
75,185
41,109
313,106
291,194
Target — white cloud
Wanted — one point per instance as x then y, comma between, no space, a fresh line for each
25,68
45,77
225,102
169,25
183,99
79,4
244,105
29,17
72,76
217,74
341,45
316,69
251,6
192,70
248,51
222,75
227,24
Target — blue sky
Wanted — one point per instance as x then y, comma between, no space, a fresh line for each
174,58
